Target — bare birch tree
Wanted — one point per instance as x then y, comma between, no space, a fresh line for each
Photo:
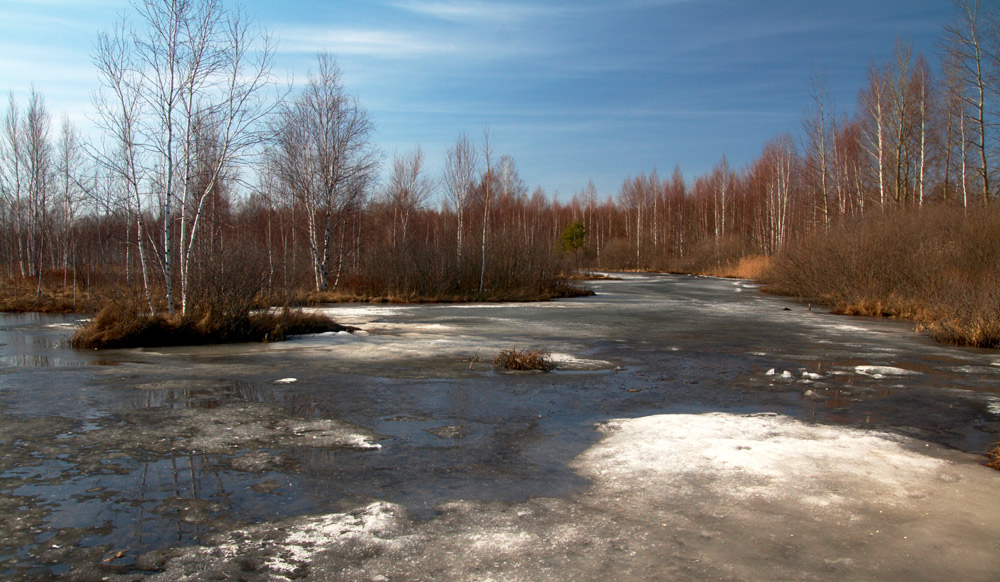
817,126
460,166
407,192
324,158
488,195
874,108
186,63
967,50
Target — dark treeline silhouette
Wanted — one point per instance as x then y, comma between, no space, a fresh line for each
212,181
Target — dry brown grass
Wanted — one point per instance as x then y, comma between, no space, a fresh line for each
560,291
994,455
750,267
937,267
523,360
21,295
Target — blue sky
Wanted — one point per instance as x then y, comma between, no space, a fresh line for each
573,90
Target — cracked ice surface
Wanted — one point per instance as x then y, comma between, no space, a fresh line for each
680,497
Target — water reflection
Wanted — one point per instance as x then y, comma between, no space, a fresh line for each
297,403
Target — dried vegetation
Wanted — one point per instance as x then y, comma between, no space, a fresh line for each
523,360
938,267
121,327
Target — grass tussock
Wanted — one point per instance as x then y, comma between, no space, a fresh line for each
937,267
117,327
523,360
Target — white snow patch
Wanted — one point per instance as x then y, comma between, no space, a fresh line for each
770,372
286,381
850,328
570,362
343,334
993,405
880,372
811,375
786,374
753,456
368,525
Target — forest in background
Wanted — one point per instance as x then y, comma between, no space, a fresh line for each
211,186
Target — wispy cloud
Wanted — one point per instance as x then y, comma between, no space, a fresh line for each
400,45
346,41
466,11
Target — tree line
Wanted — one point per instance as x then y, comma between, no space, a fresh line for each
208,178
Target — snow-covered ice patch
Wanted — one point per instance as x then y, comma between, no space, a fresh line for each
811,375
753,456
879,372
289,552
286,381
571,362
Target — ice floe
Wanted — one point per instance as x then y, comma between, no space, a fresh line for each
879,372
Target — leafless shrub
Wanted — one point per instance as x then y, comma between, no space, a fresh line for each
937,267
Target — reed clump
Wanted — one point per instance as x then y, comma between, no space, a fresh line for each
524,360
